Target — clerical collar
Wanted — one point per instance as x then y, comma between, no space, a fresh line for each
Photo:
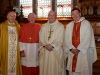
81,19
53,23
11,23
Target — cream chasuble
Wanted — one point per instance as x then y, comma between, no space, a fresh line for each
50,62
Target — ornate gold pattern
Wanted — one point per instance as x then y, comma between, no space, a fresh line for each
50,31
12,49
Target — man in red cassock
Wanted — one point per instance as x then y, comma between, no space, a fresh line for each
29,38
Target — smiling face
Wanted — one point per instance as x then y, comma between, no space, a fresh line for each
52,17
76,15
11,16
31,18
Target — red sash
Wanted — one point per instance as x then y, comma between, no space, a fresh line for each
75,42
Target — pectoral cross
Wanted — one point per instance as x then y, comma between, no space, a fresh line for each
50,32
30,38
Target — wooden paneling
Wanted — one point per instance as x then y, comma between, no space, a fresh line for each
96,28
96,65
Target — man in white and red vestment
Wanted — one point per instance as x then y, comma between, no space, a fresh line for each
29,38
80,45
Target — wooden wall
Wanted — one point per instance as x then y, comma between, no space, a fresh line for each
4,4
95,21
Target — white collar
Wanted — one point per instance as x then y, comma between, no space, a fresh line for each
81,19
11,23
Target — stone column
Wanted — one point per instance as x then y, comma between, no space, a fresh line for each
34,6
54,3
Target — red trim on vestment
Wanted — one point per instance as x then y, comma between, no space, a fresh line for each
75,42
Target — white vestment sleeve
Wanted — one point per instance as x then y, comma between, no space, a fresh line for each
41,38
68,38
85,37
59,39
22,47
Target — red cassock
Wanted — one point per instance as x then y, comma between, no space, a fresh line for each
30,34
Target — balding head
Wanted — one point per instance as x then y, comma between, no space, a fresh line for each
31,18
52,16
11,16
52,12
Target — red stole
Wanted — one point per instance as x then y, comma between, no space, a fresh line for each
75,42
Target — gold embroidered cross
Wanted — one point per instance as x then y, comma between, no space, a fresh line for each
50,32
